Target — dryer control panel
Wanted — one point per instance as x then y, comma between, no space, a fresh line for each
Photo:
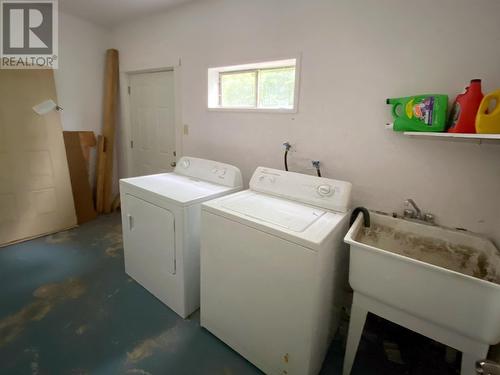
318,191
211,171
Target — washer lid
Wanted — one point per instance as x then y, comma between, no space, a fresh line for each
284,213
180,189
296,222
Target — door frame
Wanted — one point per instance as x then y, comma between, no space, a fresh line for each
126,159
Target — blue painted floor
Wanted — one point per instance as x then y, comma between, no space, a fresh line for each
67,307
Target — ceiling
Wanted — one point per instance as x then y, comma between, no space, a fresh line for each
110,13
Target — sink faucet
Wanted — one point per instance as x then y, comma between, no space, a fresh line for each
416,213
487,367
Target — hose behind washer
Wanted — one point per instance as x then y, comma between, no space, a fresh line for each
288,146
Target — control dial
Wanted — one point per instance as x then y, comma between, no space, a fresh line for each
324,190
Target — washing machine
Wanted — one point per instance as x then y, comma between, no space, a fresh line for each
161,227
274,269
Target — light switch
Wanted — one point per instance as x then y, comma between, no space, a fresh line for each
186,129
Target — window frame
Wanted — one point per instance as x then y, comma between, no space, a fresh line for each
215,86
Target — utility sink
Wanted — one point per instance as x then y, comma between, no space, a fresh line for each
440,282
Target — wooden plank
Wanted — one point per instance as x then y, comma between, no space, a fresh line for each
78,172
116,203
101,164
105,180
110,112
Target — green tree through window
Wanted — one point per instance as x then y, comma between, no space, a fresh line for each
268,88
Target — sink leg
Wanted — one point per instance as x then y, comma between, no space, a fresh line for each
356,325
469,359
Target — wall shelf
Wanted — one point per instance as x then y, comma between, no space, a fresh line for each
476,138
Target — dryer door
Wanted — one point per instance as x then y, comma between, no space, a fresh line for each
149,239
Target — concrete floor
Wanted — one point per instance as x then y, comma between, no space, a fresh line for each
67,307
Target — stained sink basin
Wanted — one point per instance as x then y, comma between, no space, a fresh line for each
420,273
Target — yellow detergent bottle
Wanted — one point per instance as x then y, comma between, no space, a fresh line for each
488,120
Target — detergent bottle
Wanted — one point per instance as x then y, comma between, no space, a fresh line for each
488,120
424,113
463,114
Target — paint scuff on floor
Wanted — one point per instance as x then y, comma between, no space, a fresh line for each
82,329
34,365
114,240
46,298
138,371
146,348
61,237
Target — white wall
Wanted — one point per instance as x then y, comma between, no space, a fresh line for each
80,77
355,54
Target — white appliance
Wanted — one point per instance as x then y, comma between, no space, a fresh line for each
161,227
274,269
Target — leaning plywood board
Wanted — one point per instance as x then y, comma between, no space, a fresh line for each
35,188
87,141
78,171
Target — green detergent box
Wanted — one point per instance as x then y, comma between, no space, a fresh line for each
421,113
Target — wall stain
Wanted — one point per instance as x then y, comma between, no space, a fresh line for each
147,347
46,298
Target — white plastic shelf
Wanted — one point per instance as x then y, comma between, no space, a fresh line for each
477,138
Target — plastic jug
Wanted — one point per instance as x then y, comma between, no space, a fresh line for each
488,121
424,113
463,114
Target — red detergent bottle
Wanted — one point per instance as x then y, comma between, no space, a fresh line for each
463,113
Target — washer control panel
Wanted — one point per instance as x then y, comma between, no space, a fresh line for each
318,191
209,170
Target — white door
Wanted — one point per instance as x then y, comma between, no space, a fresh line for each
152,103
35,188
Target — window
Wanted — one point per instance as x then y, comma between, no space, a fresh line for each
269,86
